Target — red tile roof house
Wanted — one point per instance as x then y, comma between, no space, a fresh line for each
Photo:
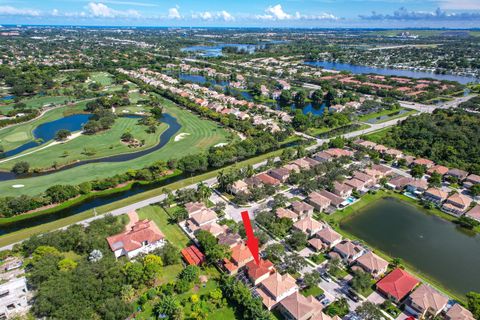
441,170
319,202
302,209
335,200
383,169
348,251
193,256
342,190
471,180
329,237
303,163
281,174
457,173
457,204
397,285
214,228
194,207
276,288
239,186
457,312
143,237
322,156
426,302
297,306
396,154
399,182
356,184
286,213
423,162
259,272
474,213
317,244
308,225
241,255
368,179
435,195
417,186
200,219
266,179
337,153
372,264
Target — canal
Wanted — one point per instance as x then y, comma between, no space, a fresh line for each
433,246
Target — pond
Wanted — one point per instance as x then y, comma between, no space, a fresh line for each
358,69
173,128
215,50
46,131
435,247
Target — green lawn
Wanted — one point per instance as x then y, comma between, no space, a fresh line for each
101,145
17,135
102,78
201,135
312,291
392,114
37,102
172,231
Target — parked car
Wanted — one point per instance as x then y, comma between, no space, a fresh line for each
325,302
320,297
352,295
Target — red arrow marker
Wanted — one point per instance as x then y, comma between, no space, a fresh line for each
252,241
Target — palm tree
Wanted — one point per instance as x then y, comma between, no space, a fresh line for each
203,191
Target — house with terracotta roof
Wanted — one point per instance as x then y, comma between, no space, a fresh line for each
335,200
267,180
200,219
319,202
322,156
298,307
362,176
441,170
301,208
317,244
304,164
457,312
349,251
474,213
396,154
241,255
423,162
417,186
435,195
356,184
193,256
238,186
286,213
276,288
142,237
342,190
214,228
329,237
292,167
194,207
281,174
397,284
399,182
426,302
471,180
367,144
308,225
385,171
337,152
372,264
457,204
457,173
259,272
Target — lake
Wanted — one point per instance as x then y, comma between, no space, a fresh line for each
215,50
435,247
358,69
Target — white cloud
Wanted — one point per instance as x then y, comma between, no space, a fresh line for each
209,16
173,13
276,12
100,10
55,12
11,11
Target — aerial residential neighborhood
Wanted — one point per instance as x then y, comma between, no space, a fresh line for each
289,160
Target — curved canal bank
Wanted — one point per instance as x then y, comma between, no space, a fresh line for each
432,247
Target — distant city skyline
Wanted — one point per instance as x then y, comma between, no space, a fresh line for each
247,13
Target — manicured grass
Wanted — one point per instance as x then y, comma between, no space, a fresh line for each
172,231
377,135
312,291
60,223
392,114
202,135
15,136
317,258
100,145
102,78
38,102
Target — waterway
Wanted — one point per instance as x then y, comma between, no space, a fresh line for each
435,247
359,69
215,50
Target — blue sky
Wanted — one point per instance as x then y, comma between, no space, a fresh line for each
246,13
